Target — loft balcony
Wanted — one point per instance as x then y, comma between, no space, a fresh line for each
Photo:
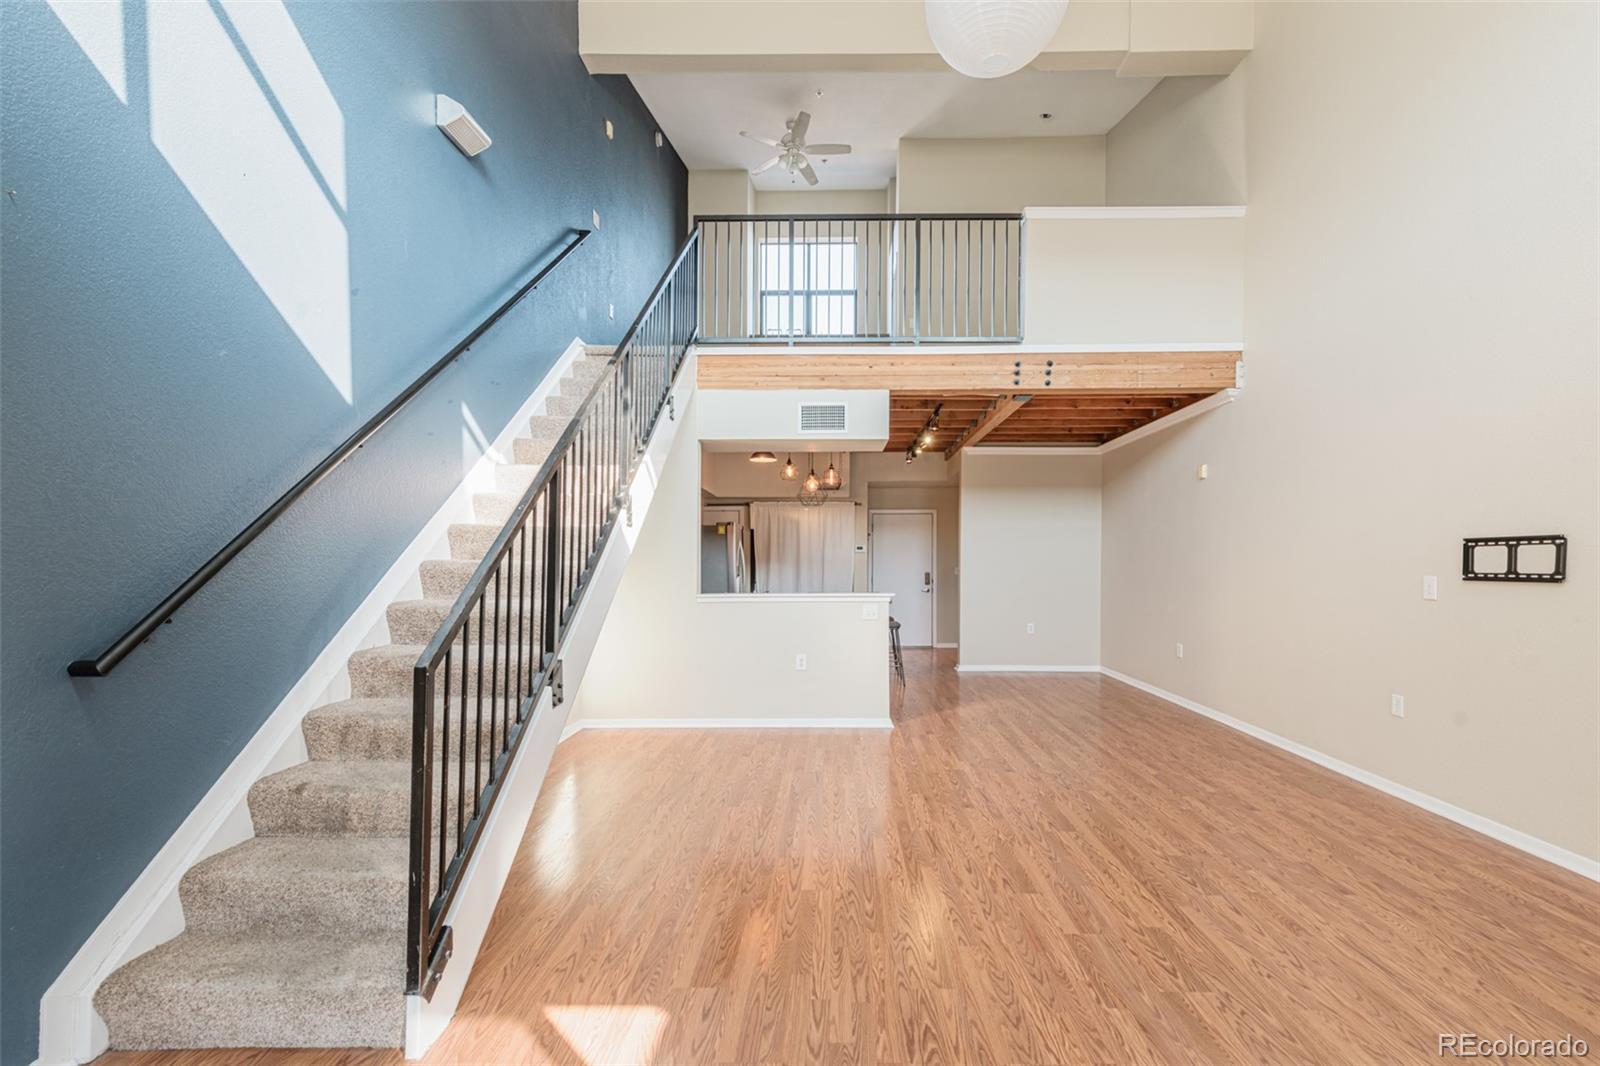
1057,325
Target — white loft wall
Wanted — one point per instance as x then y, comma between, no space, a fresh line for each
1101,278
1183,144
1421,272
1030,552
668,655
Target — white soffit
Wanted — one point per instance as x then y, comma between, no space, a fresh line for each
703,114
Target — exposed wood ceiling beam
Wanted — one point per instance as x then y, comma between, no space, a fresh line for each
1002,408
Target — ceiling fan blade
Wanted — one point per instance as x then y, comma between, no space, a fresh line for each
802,122
806,172
759,140
768,165
828,149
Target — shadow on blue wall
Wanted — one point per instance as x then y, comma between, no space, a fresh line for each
229,233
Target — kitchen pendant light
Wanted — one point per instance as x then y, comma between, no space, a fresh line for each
831,479
790,472
812,483
992,38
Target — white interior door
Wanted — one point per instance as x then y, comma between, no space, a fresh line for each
902,564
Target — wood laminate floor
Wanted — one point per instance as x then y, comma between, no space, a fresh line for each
1029,868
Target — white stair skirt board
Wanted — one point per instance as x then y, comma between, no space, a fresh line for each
962,668
1541,849
149,912
727,723
485,875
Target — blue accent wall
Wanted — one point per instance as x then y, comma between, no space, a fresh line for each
164,370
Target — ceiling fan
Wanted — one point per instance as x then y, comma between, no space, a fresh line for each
792,149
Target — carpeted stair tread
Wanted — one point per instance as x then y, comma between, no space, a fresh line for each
387,671
266,990
367,797
296,884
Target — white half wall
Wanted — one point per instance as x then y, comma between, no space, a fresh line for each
1159,277
668,655
1030,554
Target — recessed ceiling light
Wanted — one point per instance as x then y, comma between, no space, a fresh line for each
1047,116
819,92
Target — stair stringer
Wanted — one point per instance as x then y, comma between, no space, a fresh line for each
150,912
485,875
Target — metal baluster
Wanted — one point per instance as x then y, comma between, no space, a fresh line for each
461,757
444,766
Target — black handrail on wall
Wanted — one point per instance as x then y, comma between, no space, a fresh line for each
106,661
500,647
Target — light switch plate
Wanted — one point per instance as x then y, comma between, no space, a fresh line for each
869,611
1430,587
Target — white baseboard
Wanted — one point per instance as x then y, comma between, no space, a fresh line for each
963,668
485,875
952,644
1541,849
884,722
149,912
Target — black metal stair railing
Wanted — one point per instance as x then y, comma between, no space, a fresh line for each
477,683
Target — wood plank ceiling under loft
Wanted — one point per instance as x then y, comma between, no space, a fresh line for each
992,396
1009,418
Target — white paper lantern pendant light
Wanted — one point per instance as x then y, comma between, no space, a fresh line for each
992,38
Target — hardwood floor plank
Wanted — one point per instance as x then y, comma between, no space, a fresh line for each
1028,869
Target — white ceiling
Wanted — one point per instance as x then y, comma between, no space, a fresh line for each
703,114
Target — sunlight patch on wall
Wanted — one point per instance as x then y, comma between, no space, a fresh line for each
212,123
97,27
292,75
610,1035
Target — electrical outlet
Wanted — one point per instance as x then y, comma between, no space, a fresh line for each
596,216
1030,629
610,131
1430,587
800,662
1180,651
611,310
1204,472
869,611
1397,705
659,141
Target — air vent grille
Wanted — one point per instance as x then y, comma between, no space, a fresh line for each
822,418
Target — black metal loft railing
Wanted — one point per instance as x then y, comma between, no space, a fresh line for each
478,681
106,661
854,279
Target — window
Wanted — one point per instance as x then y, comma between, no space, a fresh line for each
808,289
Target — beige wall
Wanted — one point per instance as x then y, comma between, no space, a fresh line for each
1421,322
1183,144
821,201
1001,174
720,192
664,652
1030,552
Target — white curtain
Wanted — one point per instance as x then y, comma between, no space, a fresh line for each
804,549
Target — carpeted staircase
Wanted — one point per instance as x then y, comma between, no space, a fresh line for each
297,937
